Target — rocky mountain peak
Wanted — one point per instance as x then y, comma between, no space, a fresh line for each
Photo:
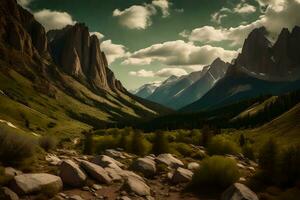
79,55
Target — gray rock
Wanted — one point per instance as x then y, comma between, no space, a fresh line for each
75,197
144,165
96,172
169,160
136,186
182,175
238,191
9,171
193,166
106,161
37,183
71,174
113,174
7,194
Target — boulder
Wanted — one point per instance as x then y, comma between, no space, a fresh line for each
114,153
182,175
7,194
11,172
193,166
144,165
169,160
71,174
238,191
106,161
113,174
136,186
96,172
37,183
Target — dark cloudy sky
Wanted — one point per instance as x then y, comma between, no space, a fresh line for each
148,41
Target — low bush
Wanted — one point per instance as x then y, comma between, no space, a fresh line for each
219,145
140,146
268,156
160,143
47,142
105,142
182,148
216,172
248,151
15,148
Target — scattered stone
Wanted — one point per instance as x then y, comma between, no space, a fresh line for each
97,187
169,160
127,174
114,153
182,175
53,159
238,191
136,186
149,198
37,183
71,174
124,198
242,179
11,172
193,166
67,152
63,195
8,194
144,165
86,188
106,161
241,166
96,172
252,169
76,197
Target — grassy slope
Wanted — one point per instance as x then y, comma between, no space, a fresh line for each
285,129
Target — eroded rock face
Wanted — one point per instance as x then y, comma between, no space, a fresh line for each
79,54
239,191
20,30
37,183
71,174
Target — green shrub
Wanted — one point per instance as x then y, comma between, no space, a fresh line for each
140,146
182,148
15,148
248,151
160,143
289,166
47,142
105,142
268,156
219,145
216,172
88,142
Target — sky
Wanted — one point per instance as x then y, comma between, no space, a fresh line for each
149,40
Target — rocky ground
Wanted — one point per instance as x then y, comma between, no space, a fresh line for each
117,175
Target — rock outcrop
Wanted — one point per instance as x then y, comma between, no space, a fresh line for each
96,172
79,55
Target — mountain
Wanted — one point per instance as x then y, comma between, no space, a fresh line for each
146,90
259,70
177,92
61,84
194,92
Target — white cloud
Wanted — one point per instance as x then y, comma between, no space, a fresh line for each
244,8
99,35
178,53
217,17
135,17
139,16
277,15
53,19
165,72
163,5
113,51
142,73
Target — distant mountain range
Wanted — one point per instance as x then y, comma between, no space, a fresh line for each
261,68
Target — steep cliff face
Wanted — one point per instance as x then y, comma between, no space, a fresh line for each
79,55
20,31
279,61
